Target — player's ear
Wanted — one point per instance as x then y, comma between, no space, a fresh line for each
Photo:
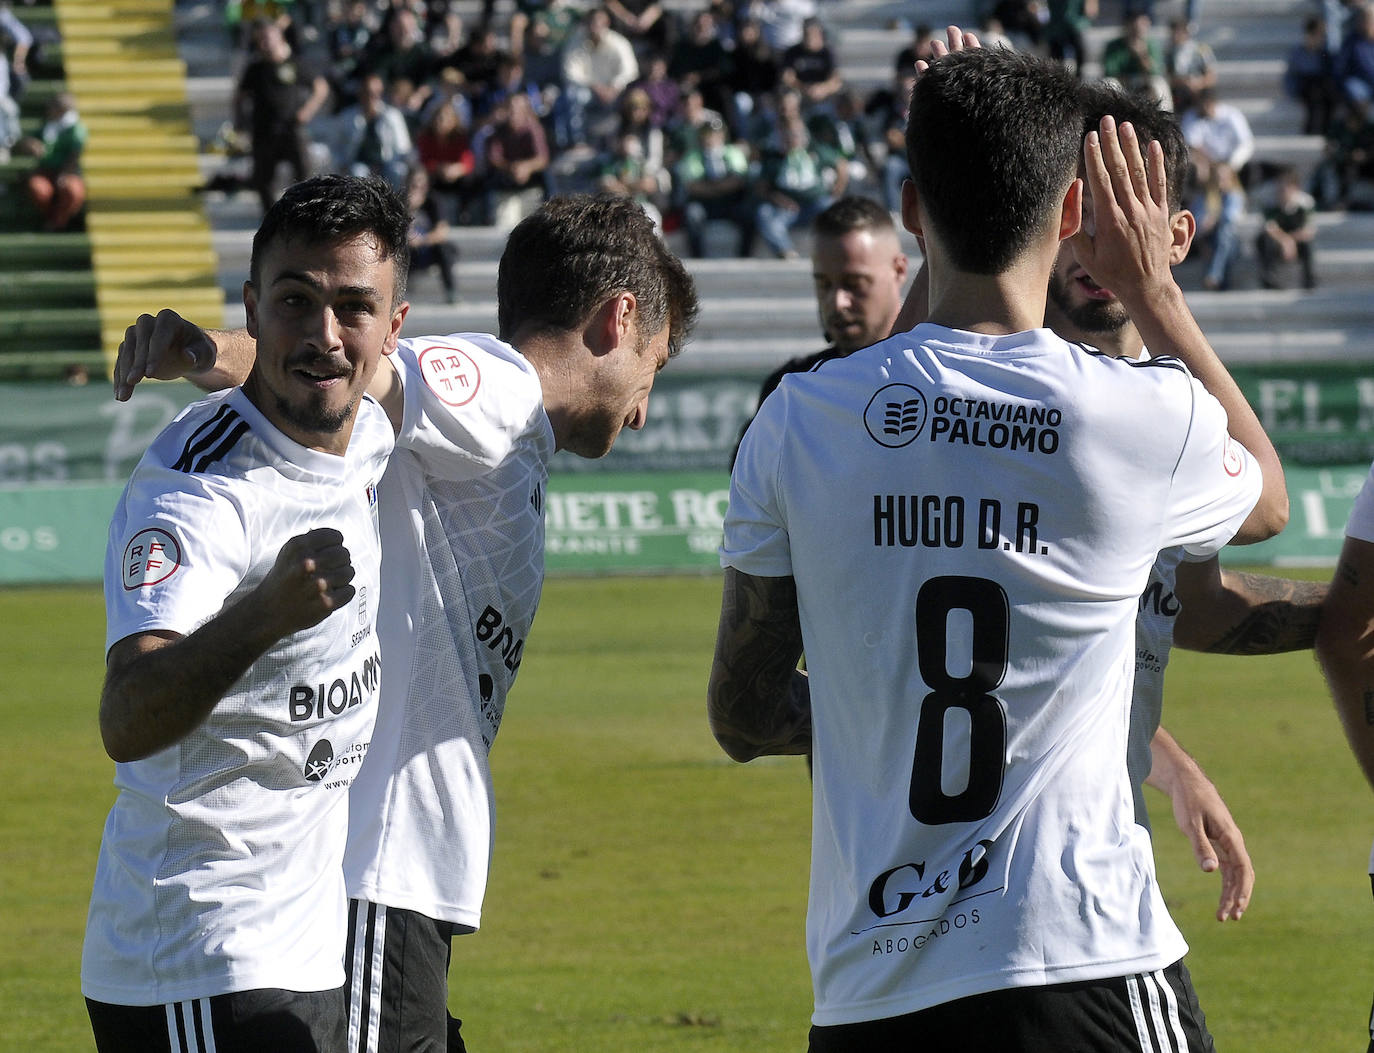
1183,228
1071,211
911,209
250,309
398,317
611,323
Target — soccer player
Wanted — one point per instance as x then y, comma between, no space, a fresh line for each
1343,642
595,304
957,523
1197,605
241,586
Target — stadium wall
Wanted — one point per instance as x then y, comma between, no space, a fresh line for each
653,505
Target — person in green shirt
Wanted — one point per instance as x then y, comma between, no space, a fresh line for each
55,185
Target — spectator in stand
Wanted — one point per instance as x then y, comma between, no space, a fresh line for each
444,150
809,66
797,183
665,94
1020,20
16,42
921,48
625,173
10,70
1217,134
347,40
1288,233
772,114
1136,62
700,61
557,17
754,73
1066,30
598,66
399,53
782,20
645,24
516,154
887,109
684,134
1191,65
479,62
1309,76
446,35
1219,206
371,137
711,182
55,186
1355,64
276,98
428,235
1347,160
840,128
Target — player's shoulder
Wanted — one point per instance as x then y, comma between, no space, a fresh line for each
456,367
204,433
800,364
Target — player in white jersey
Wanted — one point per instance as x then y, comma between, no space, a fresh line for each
966,592
1347,625
596,304
241,583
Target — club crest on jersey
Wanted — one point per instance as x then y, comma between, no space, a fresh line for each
895,415
450,372
151,557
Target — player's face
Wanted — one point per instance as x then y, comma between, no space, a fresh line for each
1080,301
323,315
858,278
620,394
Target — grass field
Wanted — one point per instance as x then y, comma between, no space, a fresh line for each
648,894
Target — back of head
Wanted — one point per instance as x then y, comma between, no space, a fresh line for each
1151,123
993,142
849,214
575,252
330,208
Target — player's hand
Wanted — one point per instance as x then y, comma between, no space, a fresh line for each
1216,839
310,580
959,40
1125,240
167,347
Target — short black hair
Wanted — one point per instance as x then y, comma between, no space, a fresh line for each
575,252
852,213
330,208
992,142
1151,123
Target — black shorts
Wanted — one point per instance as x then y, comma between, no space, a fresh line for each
243,1022
397,966
1143,1013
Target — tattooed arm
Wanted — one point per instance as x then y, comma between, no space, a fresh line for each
758,702
1224,612
1345,647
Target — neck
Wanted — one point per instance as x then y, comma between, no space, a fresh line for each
994,304
555,366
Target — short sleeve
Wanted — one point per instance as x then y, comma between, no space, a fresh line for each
1361,523
756,539
1215,484
177,549
465,404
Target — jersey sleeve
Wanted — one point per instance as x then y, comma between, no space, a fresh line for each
1215,484
177,549
756,540
464,406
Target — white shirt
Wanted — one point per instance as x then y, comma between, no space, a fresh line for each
1225,136
943,498
463,558
220,869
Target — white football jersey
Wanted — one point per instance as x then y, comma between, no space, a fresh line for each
220,869
1154,639
970,521
1360,525
463,560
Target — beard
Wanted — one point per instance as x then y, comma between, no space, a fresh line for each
1091,316
314,416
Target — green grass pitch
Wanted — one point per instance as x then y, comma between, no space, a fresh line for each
648,894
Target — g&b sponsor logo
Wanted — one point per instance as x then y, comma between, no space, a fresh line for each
926,902
323,763
151,557
450,372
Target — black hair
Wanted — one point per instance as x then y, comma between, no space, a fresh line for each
1151,123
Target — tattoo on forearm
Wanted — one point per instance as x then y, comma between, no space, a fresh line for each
1348,573
1285,619
759,704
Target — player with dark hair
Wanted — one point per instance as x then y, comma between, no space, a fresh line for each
241,585
966,591
593,305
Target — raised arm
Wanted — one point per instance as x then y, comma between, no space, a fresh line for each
1205,820
758,701
1345,648
160,686
1226,612
1127,251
